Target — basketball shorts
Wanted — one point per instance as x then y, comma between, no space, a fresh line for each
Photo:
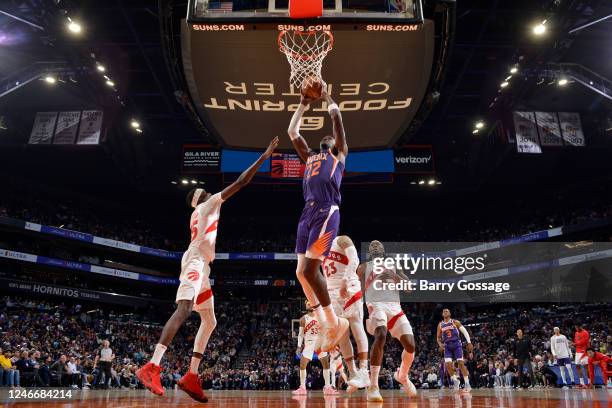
317,228
309,347
564,361
388,314
194,281
351,307
453,351
581,358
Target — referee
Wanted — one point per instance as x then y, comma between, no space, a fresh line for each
104,361
522,352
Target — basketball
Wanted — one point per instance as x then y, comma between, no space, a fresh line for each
312,88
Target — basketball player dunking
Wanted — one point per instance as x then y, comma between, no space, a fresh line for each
318,225
449,341
194,291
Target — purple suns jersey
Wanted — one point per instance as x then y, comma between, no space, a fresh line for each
450,333
322,178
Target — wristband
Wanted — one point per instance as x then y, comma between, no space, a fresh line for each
331,107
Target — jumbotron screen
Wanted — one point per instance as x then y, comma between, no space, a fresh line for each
239,80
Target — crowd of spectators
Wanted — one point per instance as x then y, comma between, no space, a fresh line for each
244,233
252,347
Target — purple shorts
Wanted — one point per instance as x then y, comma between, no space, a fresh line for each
564,361
317,229
453,351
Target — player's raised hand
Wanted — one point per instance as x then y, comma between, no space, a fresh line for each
324,93
273,145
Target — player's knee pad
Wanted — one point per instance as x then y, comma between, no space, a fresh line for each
361,339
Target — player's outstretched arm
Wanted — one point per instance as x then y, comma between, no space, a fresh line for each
338,128
465,333
247,175
299,143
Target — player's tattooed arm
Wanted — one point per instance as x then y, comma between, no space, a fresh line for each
338,127
299,143
247,175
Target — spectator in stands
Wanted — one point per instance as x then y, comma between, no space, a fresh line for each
74,373
60,371
10,373
26,368
432,379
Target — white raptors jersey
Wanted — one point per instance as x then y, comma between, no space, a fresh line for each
374,291
311,328
338,266
203,225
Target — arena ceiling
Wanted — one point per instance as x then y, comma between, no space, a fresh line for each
491,36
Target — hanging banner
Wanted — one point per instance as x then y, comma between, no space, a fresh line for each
526,133
571,128
42,131
549,129
91,126
67,126
199,159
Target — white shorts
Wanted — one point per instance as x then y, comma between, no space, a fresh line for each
581,359
388,314
194,283
308,352
351,307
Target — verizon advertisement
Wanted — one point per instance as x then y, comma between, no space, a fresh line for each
200,159
377,77
417,159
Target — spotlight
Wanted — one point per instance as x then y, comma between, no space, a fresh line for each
49,79
173,182
194,182
110,83
421,182
562,82
139,130
474,131
101,68
514,70
508,78
74,27
134,124
413,182
479,125
540,28
183,181
504,84
431,182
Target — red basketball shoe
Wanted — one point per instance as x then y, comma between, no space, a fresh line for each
149,377
190,383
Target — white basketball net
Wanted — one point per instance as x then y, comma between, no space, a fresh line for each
305,52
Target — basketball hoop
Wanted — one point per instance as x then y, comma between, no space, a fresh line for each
305,52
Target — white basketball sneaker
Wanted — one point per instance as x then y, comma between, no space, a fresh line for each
361,379
409,387
374,395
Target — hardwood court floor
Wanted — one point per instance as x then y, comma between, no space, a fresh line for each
538,398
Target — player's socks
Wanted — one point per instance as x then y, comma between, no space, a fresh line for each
195,364
571,372
330,315
407,359
319,313
327,376
363,364
351,367
581,381
466,379
160,349
455,380
374,371
302,378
